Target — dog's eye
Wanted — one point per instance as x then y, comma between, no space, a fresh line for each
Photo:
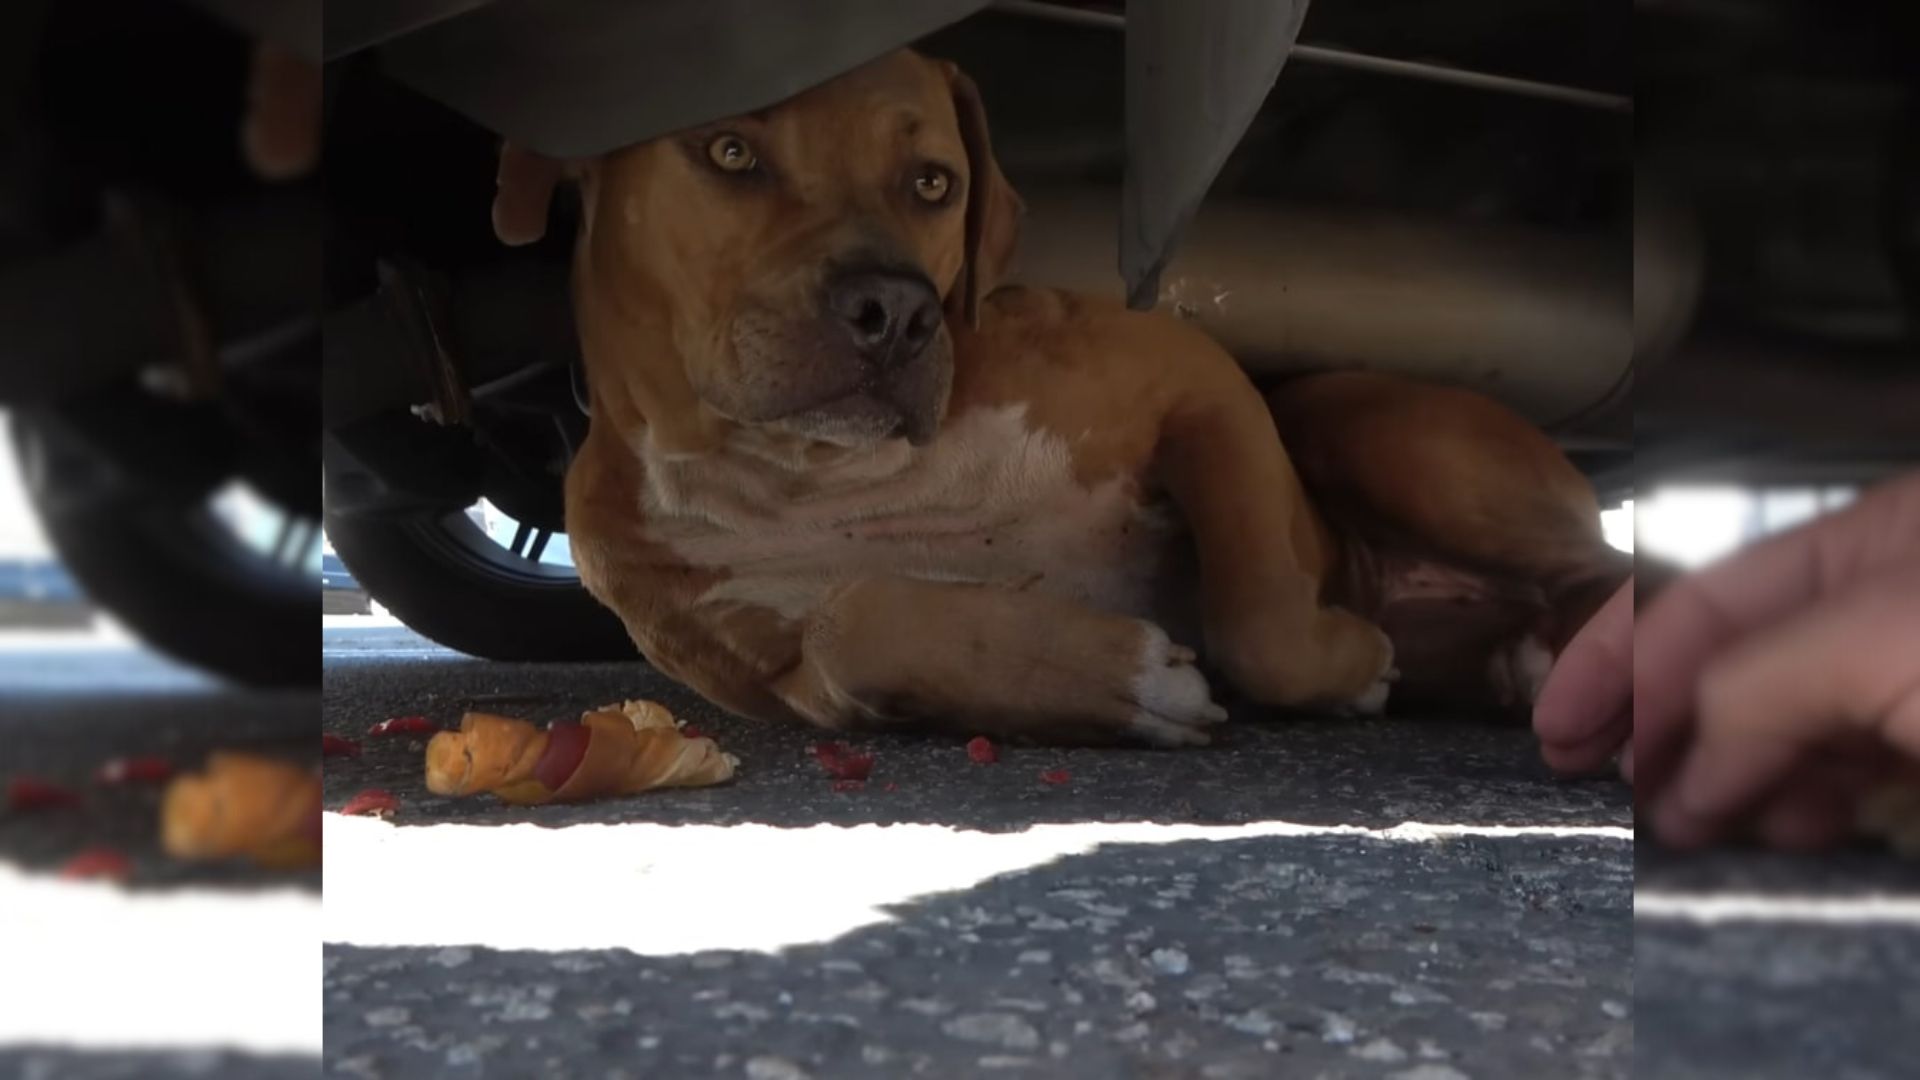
730,153
933,184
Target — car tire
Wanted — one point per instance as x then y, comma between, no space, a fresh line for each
167,567
435,574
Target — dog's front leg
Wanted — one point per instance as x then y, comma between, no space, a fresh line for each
890,652
1262,551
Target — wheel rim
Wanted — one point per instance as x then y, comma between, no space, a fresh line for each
517,554
260,530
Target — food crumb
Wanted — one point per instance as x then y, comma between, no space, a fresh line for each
842,763
403,725
31,793
134,770
335,746
97,862
373,802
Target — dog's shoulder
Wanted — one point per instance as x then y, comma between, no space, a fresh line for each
1068,327
1028,311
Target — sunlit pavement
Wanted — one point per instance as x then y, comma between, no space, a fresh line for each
201,971
1390,899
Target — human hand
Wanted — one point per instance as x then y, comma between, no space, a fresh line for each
1584,715
280,131
1770,690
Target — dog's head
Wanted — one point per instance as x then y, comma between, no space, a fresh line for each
801,261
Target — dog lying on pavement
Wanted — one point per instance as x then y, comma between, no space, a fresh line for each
836,475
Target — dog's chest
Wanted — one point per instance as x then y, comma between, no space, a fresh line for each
990,501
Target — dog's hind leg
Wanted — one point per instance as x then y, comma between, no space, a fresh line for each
1460,481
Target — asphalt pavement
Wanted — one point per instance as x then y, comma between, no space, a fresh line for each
1766,965
1314,898
1317,898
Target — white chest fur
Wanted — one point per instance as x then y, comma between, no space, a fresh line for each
990,501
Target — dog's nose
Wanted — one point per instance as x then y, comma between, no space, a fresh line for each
890,315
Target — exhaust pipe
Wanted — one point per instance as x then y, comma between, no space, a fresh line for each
1543,322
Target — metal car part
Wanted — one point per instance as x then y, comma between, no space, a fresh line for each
1541,321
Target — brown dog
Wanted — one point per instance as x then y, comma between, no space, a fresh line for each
834,475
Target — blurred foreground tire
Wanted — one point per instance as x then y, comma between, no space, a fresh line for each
165,564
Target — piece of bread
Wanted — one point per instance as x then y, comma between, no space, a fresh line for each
244,806
616,750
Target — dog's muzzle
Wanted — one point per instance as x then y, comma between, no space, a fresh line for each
891,320
890,316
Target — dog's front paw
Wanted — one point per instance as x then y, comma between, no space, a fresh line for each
1373,700
1370,652
1173,705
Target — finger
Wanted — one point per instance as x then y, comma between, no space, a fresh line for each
1595,752
1591,683
1806,808
1672,641
1846,668
280,132
1690,622
1849,665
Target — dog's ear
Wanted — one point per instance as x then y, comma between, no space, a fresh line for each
993,208
526,184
